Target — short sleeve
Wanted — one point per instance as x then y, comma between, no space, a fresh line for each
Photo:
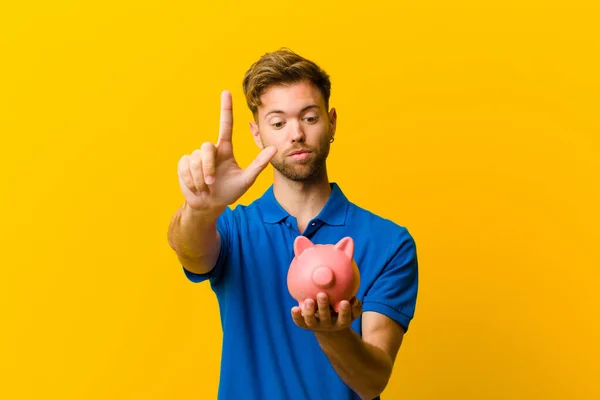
224,227
394,292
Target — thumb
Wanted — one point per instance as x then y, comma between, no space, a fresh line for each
259,164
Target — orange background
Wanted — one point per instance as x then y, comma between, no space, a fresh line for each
474,124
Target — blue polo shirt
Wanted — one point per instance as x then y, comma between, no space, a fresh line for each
264,354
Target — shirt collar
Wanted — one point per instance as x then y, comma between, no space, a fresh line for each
333,213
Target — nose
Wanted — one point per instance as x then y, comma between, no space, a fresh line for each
297,133
323,277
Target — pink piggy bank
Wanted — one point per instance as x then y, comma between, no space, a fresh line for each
326,268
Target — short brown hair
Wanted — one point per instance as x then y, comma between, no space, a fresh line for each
282,67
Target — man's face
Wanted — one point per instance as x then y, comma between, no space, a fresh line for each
293,118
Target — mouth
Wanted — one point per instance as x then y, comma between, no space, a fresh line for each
299,151
299,154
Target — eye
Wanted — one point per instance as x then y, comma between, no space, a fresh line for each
311,120
277,125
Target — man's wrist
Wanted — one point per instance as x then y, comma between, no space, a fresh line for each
334,336
205,213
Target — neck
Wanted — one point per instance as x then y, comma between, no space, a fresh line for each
303,200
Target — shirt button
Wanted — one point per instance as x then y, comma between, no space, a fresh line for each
313,224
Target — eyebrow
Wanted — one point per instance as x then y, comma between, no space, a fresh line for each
281,112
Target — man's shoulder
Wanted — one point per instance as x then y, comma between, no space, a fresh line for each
243,208
239,212
374,221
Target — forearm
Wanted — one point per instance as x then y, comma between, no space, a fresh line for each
365,368
193,236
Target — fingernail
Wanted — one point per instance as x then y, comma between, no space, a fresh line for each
209,179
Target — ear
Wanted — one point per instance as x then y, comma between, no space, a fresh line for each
332,121
302,243
256,135
347,246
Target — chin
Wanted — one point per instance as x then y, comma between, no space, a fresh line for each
305,174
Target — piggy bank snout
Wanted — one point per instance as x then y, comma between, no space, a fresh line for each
323,277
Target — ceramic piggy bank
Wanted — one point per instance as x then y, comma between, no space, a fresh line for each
327,268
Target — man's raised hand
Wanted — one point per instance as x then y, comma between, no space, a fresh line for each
210,177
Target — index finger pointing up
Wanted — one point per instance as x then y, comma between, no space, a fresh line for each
226,125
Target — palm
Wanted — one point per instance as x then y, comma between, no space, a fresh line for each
230,183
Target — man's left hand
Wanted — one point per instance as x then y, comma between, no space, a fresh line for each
322,319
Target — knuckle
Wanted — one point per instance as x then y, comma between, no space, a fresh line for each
184,174
183,163
195,162
208,166
198,178
186,177
206,146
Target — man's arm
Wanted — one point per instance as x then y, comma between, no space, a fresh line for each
210,179
364,364
194,237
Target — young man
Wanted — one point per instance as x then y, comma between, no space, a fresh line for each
272,349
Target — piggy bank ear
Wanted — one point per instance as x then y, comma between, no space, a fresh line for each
347,246
302,243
